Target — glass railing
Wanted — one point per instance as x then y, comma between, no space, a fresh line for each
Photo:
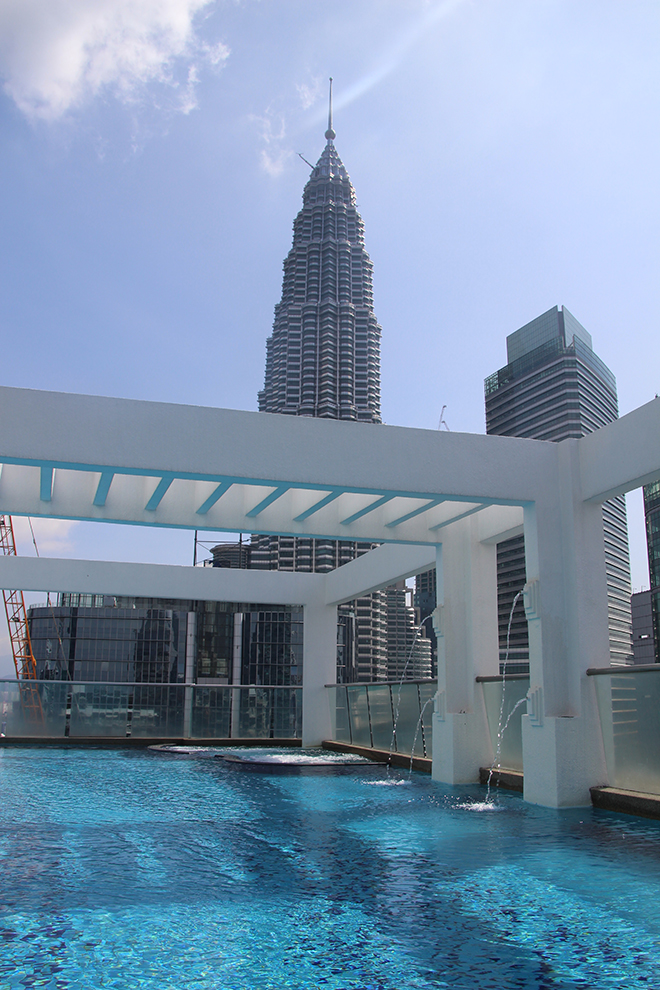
629,708
59,709
388,716
504,699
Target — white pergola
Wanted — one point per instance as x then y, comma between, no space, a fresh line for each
428,497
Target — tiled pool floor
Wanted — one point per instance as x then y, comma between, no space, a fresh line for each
130,869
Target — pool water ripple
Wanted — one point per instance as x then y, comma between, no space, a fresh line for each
139,871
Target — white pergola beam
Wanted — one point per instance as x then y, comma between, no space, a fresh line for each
623,455
380,567
103,577
500,522
98,432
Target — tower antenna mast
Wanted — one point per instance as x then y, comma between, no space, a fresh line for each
330,134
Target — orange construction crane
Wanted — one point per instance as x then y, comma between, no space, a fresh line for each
19,634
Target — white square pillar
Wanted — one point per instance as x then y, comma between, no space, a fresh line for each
566,607
466,625
319,669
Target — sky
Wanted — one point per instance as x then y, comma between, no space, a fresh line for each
504,155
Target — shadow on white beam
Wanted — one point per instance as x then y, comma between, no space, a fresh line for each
161,581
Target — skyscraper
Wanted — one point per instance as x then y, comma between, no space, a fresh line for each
652,514
408,647
323,359
554,387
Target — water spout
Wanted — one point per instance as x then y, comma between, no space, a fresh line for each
395,719
501,728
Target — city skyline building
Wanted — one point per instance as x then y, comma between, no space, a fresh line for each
652,518
409,654
323,360
555,387
642,628
424,600
103,638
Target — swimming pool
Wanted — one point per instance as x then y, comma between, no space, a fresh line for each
128,869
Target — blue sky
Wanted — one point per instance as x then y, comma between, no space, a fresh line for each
504,154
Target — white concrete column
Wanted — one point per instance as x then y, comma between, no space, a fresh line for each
235,694
191,633
566,607
466,624
319,669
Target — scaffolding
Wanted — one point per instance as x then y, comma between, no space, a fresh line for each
19,634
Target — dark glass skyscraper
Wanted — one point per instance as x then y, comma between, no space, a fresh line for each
323,359
554,387
652,513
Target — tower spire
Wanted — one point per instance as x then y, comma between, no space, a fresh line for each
330,134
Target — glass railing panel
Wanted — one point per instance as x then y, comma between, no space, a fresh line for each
380,712
33,708
99,709
505,720
427,693
287,713
211,712
339,717
629,706
157,711
254,713
405,700
604,699
358,707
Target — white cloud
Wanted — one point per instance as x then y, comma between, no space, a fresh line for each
273,132
57,54
310,92
272,126
274,162
53,536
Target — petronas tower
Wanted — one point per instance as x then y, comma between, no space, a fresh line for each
323,359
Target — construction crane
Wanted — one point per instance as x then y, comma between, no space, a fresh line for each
19,634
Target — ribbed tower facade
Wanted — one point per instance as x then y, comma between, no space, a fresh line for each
323,357
323,360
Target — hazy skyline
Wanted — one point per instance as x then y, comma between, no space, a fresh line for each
504,155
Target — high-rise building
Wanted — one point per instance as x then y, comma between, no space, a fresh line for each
425,601
323,359
408,647
652,513
166,641
642,628
554,387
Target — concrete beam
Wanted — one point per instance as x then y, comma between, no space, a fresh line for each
377,569
158,439
623,455
103,577
500,522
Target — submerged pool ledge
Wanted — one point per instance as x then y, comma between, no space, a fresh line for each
380,755
626,802
510,780
116,742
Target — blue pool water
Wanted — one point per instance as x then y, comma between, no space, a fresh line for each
126,870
